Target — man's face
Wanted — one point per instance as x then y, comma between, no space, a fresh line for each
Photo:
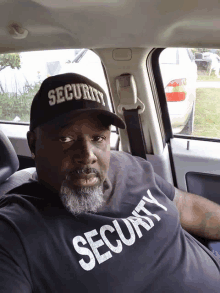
74,160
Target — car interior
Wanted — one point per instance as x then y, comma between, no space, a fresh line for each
164,102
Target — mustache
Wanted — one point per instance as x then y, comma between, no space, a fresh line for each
85,170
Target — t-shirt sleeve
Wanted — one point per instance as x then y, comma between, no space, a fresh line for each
167,188
13,272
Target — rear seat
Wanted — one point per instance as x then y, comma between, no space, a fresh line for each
17,179
9,164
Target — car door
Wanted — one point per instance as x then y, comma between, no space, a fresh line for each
179,74
198,152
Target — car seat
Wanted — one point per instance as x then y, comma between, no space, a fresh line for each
9,164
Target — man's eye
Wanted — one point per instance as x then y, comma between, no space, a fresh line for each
99,138
66,139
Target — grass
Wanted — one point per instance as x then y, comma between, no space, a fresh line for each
203,76
208,78
207,113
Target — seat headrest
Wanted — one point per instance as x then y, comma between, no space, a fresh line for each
8,158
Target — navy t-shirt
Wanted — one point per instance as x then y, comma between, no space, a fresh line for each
134,244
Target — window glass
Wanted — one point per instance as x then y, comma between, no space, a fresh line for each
21,75
192,89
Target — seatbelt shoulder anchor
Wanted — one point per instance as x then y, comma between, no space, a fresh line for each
127,93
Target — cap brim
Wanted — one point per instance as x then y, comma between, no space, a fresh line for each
105,116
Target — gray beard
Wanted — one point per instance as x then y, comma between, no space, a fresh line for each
81,199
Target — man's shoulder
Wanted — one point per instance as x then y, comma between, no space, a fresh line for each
124,166
20,196
28,196
25,205
123,156
24,188
120,158
13,195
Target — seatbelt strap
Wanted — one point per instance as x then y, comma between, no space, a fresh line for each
131,107
135,133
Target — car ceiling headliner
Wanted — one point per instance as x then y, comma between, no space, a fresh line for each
110,24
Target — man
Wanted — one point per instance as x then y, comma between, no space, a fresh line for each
94,220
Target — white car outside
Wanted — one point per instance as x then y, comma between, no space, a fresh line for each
179,74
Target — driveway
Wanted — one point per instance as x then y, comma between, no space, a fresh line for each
208,84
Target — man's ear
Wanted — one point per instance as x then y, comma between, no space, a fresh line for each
31,138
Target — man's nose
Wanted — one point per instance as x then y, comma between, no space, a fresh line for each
85,153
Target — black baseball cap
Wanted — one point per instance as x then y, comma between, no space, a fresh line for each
61,97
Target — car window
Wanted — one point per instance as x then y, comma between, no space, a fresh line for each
22,73
192,89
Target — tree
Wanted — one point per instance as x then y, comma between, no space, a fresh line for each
203,50
12,60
